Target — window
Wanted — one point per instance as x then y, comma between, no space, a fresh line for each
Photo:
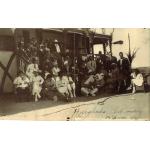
97,48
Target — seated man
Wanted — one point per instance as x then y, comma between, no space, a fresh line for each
99,80
137,79
91,64
88,86
62,86
49,89
21,85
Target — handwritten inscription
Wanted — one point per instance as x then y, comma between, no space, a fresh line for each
107,114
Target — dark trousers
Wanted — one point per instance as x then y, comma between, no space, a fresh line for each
22,94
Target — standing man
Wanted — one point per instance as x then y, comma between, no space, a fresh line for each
91,64
57,52
124,70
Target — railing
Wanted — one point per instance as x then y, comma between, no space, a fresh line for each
23,60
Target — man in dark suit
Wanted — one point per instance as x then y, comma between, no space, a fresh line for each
124,70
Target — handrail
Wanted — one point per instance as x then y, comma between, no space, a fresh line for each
23,56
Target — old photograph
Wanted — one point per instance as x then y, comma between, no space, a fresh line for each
74,74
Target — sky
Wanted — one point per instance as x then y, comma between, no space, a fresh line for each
139,39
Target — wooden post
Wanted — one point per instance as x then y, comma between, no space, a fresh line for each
104,48
65,39
110,45
129,43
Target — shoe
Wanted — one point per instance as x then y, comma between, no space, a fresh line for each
87,95
133,91
93,95
36,100
129,88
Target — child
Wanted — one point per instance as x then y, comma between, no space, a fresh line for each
37,86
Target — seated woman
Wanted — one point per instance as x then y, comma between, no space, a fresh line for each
137,79
70,84
37,86
21,85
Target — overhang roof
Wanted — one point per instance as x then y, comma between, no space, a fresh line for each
6,31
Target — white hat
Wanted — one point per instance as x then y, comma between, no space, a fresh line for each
56,41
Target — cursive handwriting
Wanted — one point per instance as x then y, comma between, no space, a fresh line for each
107,114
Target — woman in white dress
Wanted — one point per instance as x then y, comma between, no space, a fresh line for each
37,86
137,79
31,68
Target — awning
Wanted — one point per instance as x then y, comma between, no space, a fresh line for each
101,39
6,31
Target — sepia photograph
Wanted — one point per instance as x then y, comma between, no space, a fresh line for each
75,74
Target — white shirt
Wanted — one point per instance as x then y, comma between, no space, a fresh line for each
89,80
38,80
57,48
138,80
31,68
55,71
121,62
21,82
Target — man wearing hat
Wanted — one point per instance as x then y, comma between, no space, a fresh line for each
93,84
57,47
57,52
99,80
87,87
91,64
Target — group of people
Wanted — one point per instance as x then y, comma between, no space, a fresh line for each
57,75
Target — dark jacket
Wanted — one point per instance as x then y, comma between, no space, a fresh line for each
124,67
